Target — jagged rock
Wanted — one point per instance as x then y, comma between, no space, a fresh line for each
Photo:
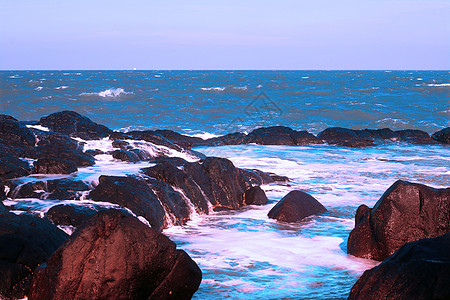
442,136
54,166
75,125
70,215
255,196
14,134
295,206
25,242
115,256
418,270
405,213
134,194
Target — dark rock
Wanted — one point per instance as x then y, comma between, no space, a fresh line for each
25,242
255,196
279,178
70,215
415,137
2,197
152,137
65,189
14,133
133,155
377,134
75,125
54,166
418,270
236,138
134,194
56,139
280,135
56,151
94,152
344,137
406,212
114,256
122,145
13,167
34,189
295,206
170,174
176,161
303,137
181,140
256,177
442,136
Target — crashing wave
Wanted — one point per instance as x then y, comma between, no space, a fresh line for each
110,93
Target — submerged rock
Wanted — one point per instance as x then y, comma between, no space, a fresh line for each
406,212
115,256
442,136
295,206
25,242
75,125
418,270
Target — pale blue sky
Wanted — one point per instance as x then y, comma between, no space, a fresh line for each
224,34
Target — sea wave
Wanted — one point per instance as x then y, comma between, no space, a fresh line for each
224,88
109,93
439,84
61,87
39,88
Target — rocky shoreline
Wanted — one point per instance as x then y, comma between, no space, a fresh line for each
169,193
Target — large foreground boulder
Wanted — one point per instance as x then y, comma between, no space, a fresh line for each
405,213
295,206
418,270
442,136
75,125
14,134
25,242
115,256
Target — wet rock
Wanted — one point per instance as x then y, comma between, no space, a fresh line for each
25,242
377,134
344,137
132,193
113,255
256,177
255,196
61,152
181,140
34,189
442,136
122,145
13,167
15,134
70,215
65,189
54,166
295,206
176,161
279,178
280,135
418,270
56,139
415,137
152,137
75,125
133,155
236,138
405,213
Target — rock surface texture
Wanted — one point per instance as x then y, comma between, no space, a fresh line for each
405,213
115,256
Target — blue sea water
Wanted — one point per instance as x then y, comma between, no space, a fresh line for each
243,254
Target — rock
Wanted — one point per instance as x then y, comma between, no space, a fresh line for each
236,138
405,213
255,196
256,177
295,206
70,215
13,167
181,140
176,161
75,125
2,207
54,166
377,134
25,242
133,155
122,145
415,137
152,137
442,136
15,134
279,178
280,135
56,139
61,189
115,256
302,138
418,270
61,152
134,194
344,137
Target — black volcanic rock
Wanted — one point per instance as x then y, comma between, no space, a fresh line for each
442,136
75,125
13,167
417,270
132,193
255,196
405,213
14,134
295,206
25,242
70,215
54,166
115,256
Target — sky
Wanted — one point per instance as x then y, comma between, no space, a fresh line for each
225,34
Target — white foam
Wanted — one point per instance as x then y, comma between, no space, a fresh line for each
38,127
205,135
213,89
39,88
110,93
439,84
305,77
63,87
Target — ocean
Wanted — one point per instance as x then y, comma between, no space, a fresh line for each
243,254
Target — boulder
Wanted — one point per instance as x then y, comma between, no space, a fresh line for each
54,166
14,134
344,137
405,213
236,138
255,196
80,158
70,215
413,136
132,155
417,270
134,194
25,242
295,206
46,138
256,177
181,140
13,167
75,125
115,256
442,136
121,144
61,189
280,135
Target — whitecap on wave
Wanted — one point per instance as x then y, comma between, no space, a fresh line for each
439,84
112,92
